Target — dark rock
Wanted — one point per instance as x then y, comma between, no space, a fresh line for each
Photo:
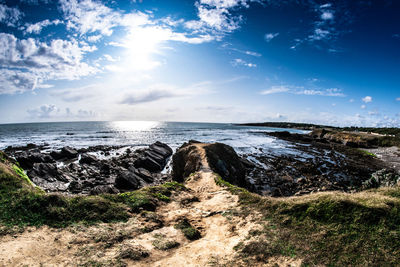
127,181
65,153
87,159
382,177
148,163
45,169
104,189
221,158
145,174
224,161
162,149
27,160
69,152
247,163
128,171
185,161
56,155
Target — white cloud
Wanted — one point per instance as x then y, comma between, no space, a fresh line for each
216,16
319,34
43,112
10,15
327,15
12,81
29,62
335,92
241,62
398,99
363,106
269,36
367,99
147,96
52,112
275,90
37,27
88,16
373,113
94,38
228,46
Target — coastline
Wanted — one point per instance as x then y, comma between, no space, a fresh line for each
204,218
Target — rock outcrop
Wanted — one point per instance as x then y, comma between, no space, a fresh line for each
217,157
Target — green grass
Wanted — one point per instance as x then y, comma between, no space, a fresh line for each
366,153
18,170
331,228
22,204
188,230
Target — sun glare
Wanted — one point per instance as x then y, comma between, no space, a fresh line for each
142,43
132,126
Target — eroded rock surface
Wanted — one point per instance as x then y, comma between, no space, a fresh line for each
317,165
83,171
220,158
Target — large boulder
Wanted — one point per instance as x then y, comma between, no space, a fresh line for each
26,160
87,159
65,153
221,159
186,160
127,181
155,158
224,161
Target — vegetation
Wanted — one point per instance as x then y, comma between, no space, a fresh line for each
162,243
368,154
133,252
22,204
188,230
303,126
333,229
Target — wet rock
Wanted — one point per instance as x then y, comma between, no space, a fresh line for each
58,171
382,177
144,174
148,163
162,149
87,159
127,181
26,160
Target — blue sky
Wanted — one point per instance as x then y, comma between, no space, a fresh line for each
328,62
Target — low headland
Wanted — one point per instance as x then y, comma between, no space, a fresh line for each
337,203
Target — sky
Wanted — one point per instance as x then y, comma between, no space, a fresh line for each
325,62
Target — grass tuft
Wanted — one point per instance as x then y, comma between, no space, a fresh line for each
188,230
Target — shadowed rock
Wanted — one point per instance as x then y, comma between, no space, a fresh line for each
221,158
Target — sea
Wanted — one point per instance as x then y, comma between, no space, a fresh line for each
138,134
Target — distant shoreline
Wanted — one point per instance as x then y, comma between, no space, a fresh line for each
392,131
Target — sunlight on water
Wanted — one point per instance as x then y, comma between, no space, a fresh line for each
133,126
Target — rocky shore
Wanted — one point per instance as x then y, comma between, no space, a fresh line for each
93,170
204,217
320,162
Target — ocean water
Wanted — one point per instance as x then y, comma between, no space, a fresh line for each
244,139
